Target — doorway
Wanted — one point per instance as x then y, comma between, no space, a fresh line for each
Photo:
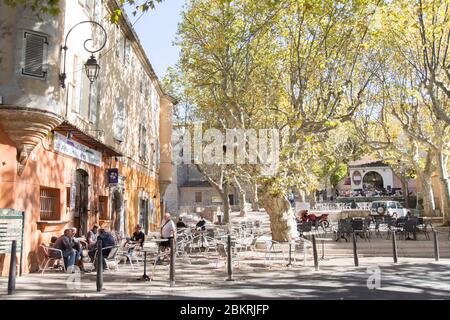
143,214
118,220
373,180
81,201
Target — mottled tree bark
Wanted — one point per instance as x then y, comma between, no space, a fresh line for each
242,211
442,161
254,197
277,207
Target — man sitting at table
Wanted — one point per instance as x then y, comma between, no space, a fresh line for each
180,223
138,236
201,225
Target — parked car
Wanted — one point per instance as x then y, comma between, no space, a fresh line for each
390,208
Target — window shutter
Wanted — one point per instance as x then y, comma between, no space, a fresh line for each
35,54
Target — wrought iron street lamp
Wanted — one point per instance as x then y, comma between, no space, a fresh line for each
92,67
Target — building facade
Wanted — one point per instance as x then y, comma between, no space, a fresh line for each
83,152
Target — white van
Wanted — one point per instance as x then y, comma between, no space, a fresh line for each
390,208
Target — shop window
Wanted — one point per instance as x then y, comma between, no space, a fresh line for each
198,197
103,207
49,204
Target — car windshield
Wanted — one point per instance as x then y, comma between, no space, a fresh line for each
376,205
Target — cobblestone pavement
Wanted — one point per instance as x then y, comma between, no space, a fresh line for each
205,275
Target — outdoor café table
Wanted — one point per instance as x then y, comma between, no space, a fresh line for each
323,246
145,277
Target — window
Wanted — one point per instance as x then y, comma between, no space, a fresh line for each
93,102
35,55
68,197
198,197
143,151
98,11
119,120
88,5
84,93
103,207
143,214
49,204
127,55
75,76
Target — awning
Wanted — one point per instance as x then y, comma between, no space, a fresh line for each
86,139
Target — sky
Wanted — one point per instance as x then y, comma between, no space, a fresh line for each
156,30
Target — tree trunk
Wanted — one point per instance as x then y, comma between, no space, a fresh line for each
242,211
254,198
428,196
442,160
226,204
405,190
302,195
312,199
280,212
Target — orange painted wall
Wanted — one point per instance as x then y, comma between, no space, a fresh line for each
137,181
48,169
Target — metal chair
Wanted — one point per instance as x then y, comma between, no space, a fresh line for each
51,255
111,257
223,254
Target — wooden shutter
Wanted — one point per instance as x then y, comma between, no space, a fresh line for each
34,56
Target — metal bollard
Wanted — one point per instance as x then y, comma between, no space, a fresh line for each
355,252
99,266
436,246
394,247
230,262
316,260
12,269
172,263
290,250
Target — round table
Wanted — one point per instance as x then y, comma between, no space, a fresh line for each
145,277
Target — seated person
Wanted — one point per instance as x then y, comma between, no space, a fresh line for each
77,245
65,244
201,225
91,237
52,241
180,223
107,241
138,236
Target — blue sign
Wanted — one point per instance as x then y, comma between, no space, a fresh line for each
113,175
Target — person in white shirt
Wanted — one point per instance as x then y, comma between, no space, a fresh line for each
168,231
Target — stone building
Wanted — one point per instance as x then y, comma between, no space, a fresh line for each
78,152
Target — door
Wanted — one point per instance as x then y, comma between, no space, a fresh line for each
81,201
117,214
143,209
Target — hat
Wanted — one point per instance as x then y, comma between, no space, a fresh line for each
96,226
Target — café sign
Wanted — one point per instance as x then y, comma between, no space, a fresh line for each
76,150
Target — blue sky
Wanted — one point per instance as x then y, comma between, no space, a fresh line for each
156,30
